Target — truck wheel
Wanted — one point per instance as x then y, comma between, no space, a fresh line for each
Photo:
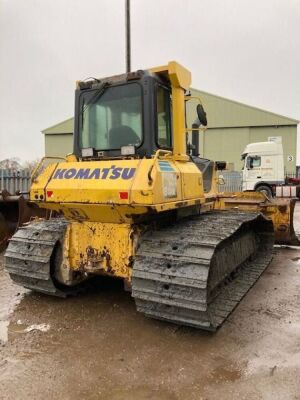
266,190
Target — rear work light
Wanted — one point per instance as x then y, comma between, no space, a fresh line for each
87,152
128,150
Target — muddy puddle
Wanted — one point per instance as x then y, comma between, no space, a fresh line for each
10,297
97,346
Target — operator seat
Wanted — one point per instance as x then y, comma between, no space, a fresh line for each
122,135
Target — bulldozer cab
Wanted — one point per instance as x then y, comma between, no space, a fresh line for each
127,115
135,114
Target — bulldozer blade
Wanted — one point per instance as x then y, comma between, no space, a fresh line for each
282,214
15,210
281,211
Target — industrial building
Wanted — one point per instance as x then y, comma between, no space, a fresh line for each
231,126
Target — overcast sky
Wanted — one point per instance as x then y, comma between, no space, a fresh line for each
247,50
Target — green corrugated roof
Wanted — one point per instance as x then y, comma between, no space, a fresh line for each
66,126
226,113
221,113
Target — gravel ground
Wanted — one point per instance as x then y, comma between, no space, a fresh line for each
96,346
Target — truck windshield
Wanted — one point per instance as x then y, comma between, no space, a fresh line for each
113,119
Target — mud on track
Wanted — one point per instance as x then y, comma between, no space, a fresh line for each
96,346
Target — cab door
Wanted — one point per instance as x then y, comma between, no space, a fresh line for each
253,171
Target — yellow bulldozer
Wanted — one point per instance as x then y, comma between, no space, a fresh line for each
137,203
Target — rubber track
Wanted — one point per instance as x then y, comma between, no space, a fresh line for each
171,270
27,258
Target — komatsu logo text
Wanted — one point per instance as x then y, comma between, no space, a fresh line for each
112,172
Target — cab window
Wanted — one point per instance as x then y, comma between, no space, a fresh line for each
113,119
253,162
163,105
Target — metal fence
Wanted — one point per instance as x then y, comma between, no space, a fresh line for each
233,181
14,181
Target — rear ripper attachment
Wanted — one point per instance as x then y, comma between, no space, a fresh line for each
196,272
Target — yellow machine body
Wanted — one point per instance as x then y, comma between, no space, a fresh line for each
93,191
100,248
107,202
151,216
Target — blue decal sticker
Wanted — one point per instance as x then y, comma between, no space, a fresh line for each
165,166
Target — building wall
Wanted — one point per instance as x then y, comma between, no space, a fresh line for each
58,145
228,143
222,144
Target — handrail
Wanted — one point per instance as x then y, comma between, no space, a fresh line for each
156,155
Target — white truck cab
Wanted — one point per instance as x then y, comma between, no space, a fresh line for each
263,166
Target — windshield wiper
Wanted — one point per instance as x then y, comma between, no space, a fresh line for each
94,98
